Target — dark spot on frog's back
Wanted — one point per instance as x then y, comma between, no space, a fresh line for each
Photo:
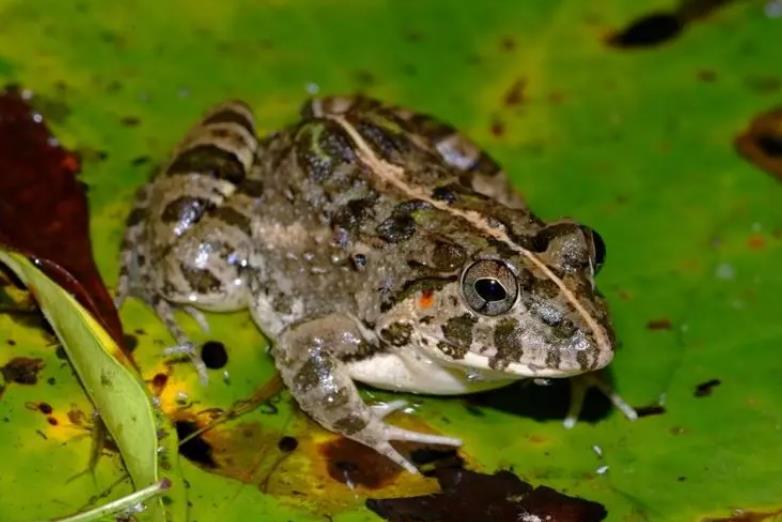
233,217
202,281
353,213
401,225
322,145
396,229
185,209
507,339
458,331
384,141
231,116
252,188
208,160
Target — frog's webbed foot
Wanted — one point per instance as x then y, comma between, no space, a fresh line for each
578,388
309,356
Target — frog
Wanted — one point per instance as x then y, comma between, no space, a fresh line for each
379,245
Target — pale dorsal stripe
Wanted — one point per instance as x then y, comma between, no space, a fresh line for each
393,174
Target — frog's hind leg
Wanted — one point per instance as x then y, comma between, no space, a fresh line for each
309,356
133,255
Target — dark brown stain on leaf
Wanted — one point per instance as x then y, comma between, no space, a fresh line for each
196,449
704,389
662,323
477,497
348,461
43,207
515,94
761,142
22,370
656,28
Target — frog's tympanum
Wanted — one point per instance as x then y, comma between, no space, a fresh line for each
373,244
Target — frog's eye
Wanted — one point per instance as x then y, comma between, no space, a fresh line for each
489,287
598,249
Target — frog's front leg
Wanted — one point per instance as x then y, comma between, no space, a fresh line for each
310,357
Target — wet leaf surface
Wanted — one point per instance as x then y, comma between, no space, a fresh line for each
638,144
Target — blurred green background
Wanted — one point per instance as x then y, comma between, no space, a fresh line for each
634,141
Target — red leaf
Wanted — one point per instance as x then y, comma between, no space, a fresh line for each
43,207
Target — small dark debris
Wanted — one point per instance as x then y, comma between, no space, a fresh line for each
197,449
648,31
11,342
652,409
657,28
287,444
681,479
707,76
497,128
130,342
214,355
704,389
22,370
364,78
659,324
61,354
761,143
52,421
507,43
139,160
51,381
478,497
130,121
515,94
45,408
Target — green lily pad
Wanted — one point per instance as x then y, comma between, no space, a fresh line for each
634,140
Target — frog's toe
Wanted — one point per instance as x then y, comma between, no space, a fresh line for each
578,387
189,350
396,433
387,450
198,317
384,409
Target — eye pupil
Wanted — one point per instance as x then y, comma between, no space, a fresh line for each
600,250
490,290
